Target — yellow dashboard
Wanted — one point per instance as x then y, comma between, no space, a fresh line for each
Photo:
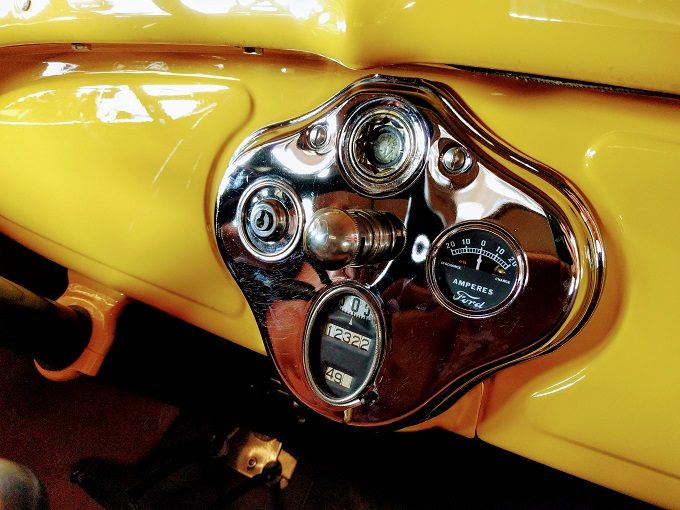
116,158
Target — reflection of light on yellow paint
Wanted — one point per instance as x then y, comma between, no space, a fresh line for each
409,5
120,104
210,6
533,10
178,108
180,90
562,385
58,68
136,7
533,18
264,7
110,103
590,154
303,9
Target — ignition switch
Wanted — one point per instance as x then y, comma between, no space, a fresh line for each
269,219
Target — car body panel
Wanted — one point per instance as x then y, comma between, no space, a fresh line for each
626,43
121,150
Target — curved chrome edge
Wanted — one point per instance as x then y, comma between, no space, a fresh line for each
587,249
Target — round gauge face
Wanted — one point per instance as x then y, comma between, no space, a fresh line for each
343,343
475,269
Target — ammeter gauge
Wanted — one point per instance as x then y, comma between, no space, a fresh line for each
475,269
343,342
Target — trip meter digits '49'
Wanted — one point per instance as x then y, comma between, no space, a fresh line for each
475,269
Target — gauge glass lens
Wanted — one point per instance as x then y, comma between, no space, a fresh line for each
343,345
475,270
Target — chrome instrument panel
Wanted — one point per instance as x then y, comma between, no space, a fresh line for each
439,170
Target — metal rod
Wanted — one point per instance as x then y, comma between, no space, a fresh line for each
54,334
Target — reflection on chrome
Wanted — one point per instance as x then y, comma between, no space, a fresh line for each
421,245
555,288
487,195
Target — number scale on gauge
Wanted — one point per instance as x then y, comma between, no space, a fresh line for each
484,253
474,269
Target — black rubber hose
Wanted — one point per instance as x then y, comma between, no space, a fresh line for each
52,333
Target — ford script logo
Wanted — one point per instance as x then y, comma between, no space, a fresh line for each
469,300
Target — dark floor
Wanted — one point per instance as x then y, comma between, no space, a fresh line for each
49,426
165,381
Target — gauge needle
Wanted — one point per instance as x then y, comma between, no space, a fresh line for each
479,262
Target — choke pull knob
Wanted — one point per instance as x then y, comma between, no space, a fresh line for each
336,238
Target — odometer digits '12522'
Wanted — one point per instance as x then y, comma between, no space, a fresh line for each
343,342
475,269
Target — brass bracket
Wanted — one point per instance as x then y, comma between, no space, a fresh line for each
252,454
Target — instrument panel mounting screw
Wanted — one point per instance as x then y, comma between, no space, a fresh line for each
456,159
318,136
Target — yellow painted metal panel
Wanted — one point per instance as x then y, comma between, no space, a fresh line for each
110,163
602,406
620,42
114,166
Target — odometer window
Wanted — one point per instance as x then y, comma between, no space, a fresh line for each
342,342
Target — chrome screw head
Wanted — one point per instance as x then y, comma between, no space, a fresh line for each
318,136
456,160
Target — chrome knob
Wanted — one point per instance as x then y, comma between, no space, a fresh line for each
336,238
